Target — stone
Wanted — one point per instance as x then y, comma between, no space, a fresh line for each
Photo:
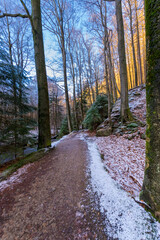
132,125
104,132
143,136
137,94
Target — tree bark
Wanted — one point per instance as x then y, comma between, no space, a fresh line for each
151,188
138,45
133,48
107,86
65,82
44,138
125,113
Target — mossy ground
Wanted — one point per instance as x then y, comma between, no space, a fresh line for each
7,169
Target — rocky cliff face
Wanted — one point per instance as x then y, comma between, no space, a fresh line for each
137,104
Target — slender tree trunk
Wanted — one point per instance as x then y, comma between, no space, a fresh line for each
129,68
104,23
74,91
80,83
90,74
107,86
44,138
151,185
144,57
133,48
114,78
112,75
125,113
56,114
96,74
138,45
14,90
89,92
65,78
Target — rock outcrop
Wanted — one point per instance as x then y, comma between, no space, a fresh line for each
137,105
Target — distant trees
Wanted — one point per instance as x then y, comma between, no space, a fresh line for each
57,14
93,59
15,124
151,187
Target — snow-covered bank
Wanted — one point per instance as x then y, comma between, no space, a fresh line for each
55,143
14,178
17,176
124,160
125,219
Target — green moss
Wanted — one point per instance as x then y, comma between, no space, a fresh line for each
132,125
36,156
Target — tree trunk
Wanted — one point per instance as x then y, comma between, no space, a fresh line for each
125,113
74,91
65,83
96,75
151,185
104,22
44,138
107,85
111,70
138,45
133,48
14,90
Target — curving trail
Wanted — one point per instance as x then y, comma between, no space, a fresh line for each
51,201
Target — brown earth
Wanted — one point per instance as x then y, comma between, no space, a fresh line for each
51,201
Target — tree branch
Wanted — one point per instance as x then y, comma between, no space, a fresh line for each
28,14
13,15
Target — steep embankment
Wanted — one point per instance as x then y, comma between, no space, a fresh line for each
123,152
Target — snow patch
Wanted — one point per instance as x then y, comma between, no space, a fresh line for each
124,160
125,219
54,144
14,179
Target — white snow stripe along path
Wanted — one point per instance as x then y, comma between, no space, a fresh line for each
125,219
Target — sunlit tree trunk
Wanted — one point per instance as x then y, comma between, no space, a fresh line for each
107,85
133,48
151,185
125,113
138,44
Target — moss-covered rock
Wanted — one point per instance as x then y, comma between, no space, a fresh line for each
104,132
132,125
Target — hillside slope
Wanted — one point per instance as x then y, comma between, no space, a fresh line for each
123,152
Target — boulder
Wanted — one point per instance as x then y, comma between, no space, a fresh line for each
104,132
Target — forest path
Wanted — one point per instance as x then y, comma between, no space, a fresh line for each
51,200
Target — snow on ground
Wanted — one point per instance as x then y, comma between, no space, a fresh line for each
124,160
125,219
55,143
15,178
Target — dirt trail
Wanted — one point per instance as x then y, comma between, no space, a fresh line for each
51,202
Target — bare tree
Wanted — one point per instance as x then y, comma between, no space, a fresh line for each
43,100
125,112
132,39
138,43
56,21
